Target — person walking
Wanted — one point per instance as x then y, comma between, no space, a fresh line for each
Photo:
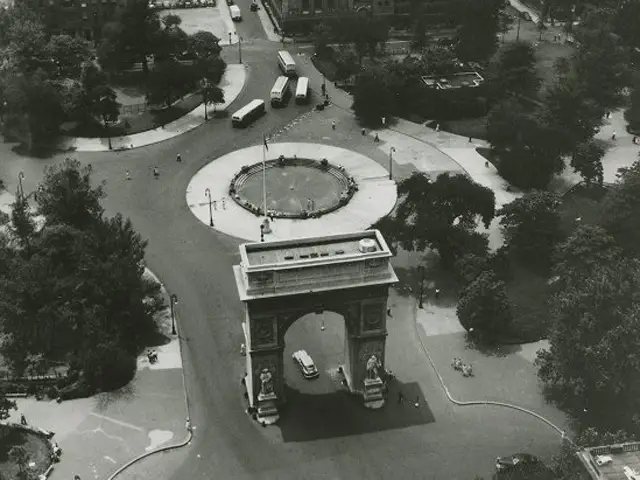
613,136
156,172
178,158
128,173
333,124
376,138
23,419
400,397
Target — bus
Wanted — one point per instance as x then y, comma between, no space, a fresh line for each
302,90
280,91
287,65
248,113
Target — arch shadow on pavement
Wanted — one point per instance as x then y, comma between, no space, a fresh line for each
307,418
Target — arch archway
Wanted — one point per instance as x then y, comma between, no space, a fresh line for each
342,277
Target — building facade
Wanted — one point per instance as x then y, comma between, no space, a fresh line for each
84,18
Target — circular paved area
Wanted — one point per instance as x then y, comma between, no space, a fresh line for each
375,198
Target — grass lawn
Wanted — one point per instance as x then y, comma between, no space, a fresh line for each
130,124
37,449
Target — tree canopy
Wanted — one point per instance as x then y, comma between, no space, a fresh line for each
484,306
77,294
479,24
442,215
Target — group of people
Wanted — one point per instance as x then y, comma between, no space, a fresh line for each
152,355
466,369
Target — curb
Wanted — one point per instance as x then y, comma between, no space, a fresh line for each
461,403
189,436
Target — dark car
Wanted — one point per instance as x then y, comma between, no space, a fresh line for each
254,6
522,466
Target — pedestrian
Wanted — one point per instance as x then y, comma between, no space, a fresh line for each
188,425
470,140
215,205
76,477
400,397
178,158
23,419
417,404
376,138
333,124
383,120
223,203
389,312
156,172
635,142
608,115
243,349
437,127
437,293
613,136
364,131
486,164
323,88
128,173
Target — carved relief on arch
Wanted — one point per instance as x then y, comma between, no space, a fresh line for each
263,331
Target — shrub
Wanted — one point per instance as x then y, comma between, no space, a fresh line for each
52,392
108,367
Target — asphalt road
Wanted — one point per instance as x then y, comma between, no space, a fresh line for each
323,433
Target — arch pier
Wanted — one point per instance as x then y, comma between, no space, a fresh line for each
280,282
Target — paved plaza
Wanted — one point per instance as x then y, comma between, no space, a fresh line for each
375,198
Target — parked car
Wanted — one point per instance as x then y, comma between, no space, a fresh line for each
254,6
522,466
229,2
305,362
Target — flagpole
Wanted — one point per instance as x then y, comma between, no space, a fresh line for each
264,175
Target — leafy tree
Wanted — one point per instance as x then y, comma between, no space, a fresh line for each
347,64
22,225
96,100
211,95
373,95
587,160
68,197
171,21
573,116
479,23
168,81
438,60
25,38
442,215
19,456
68,54
621,209
505,22
484,305
632,112
205,44
591,366
531,227
365,32
515,71
322,36
520,138
420,36
625,23
587,248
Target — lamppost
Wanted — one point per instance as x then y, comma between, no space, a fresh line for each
174,301
229,38
518,31
3,107
421,269
239,49
103,100
391,151
207,193
20,189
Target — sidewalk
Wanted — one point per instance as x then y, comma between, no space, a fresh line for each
232,84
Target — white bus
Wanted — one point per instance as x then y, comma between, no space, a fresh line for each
280,91
287,65
302,90
236,16
248,113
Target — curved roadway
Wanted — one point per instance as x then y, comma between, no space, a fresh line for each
440,441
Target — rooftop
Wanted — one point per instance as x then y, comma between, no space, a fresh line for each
613,462
307,251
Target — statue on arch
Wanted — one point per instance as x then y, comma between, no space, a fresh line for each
373,366
266,382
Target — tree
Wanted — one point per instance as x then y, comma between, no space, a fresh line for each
484,306
442,215
96,100
479,22
322,36
211,94
68,54
625,24
22,225
68,197
515,71
365,32
171,21
587,160
592,366
204,44
531,227
168,81
419,35
621,209
373,95
632,112
583,252
19,455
